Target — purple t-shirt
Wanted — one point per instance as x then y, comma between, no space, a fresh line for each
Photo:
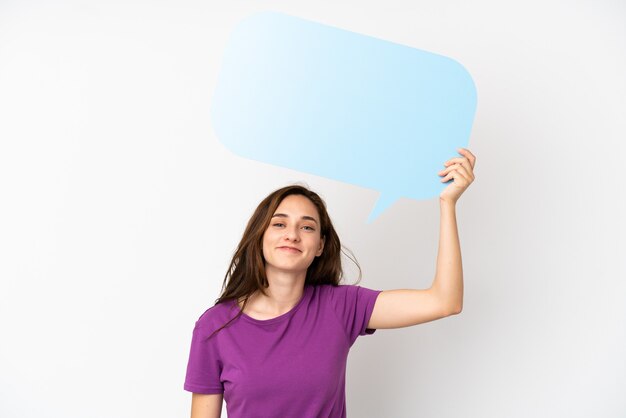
291,366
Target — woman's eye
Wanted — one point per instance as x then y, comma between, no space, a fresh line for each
310,228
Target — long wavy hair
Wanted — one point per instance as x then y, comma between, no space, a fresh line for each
246,273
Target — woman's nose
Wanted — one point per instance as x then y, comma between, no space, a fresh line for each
292,234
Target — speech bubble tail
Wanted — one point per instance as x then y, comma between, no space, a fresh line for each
383,202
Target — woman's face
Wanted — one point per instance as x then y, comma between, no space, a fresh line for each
292,240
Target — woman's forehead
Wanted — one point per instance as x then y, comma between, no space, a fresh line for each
297,206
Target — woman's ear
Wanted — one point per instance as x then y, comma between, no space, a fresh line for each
319,252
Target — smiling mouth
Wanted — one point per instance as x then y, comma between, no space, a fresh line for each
291,250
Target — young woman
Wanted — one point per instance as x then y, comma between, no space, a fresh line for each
275,344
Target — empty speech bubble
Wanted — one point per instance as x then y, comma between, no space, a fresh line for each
326,101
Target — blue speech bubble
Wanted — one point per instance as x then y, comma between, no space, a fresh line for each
341,105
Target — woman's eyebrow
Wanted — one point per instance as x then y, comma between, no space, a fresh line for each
305,217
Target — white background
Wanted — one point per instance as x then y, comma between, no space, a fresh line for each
120,209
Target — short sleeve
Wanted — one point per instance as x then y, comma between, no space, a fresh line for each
204,367
354,306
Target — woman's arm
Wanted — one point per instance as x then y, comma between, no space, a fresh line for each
206,406
399,308
406,307
448,282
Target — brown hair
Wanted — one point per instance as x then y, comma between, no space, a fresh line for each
246,272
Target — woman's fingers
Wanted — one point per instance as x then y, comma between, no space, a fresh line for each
460,160
463,165
468,154
459,168
468,158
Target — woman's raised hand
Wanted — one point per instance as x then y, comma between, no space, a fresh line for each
461,169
